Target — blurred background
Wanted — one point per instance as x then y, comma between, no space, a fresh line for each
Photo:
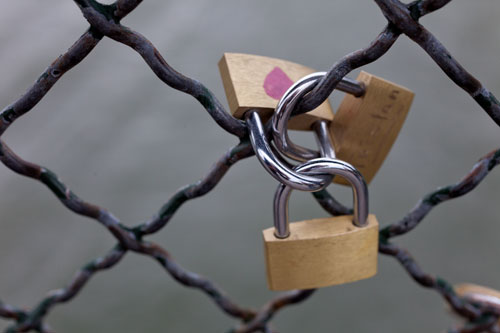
122,139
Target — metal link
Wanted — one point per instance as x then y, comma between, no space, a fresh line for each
351,86
273,163
284,111
317,167
324,139
282,114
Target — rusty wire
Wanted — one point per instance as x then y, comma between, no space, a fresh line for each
105,21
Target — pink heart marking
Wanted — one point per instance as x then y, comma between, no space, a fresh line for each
276,83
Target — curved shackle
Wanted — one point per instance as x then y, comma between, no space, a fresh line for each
273,164
283,112
316,167
323,139
287,104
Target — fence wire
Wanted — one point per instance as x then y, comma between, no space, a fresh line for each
105,22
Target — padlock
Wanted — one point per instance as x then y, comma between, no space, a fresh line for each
478,294
325,251
257,82
363,129
366,127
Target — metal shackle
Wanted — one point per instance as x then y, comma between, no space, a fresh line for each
283,113
274,164
317,167
287,105
324,139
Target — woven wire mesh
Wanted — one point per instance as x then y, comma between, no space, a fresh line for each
104,21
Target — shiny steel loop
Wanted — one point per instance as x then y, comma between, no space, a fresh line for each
346,85
317,167
313,77
277,167
283,112
323,139
285,109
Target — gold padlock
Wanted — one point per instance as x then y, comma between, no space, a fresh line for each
322,252
478,294
257,82
365,128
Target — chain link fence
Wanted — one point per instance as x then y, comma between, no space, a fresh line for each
403,19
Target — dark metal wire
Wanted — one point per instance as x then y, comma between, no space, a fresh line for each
105,21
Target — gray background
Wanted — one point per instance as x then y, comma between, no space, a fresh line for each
120,138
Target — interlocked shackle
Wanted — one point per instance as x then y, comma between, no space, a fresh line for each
283,113
324,139
279,168
274,164
271,159
317,167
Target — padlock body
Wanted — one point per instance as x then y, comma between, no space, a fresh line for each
321,252
365,128
478,294
257,82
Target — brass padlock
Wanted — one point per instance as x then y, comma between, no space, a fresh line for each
326,251
257,82
478,294
365,128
